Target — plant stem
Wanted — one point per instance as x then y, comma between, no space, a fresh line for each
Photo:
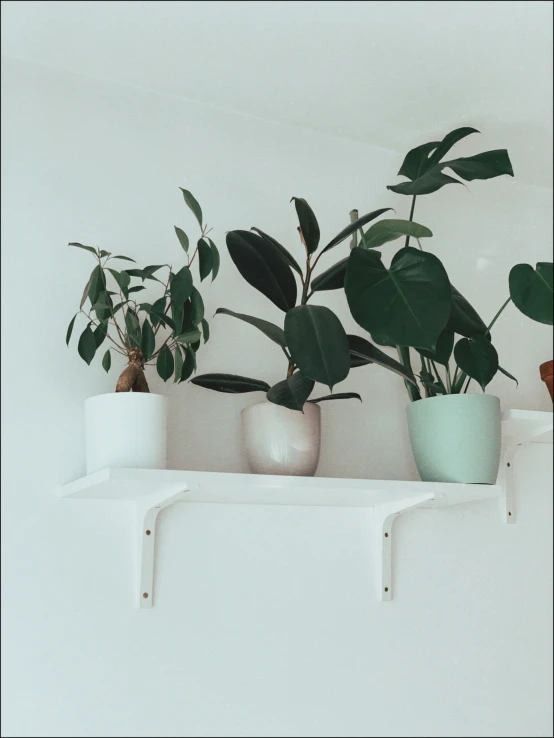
498,314
404,357
467,385
410,218
448,380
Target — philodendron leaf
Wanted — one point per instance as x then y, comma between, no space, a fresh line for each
133,328
107,361
165,363
531,290
205,259
288,258
86,248
443,348
181,286
183,238
409,302
487,165
477,357
309,226
353,227
215,259
70,330
318,344
363,352
291,392
391,229
269,329
463,318
87,345
338,396
231,383
193,205
148,340
262,266
332,278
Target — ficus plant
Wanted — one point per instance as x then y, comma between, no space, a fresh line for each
165,333
314,343
412,303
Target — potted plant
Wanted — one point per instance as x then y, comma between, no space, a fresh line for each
412,303
128,428
282,435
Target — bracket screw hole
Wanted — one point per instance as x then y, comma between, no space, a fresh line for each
509,513
386,535
386,589
145,595
148,532
508,464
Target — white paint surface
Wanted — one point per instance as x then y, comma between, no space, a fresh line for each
265,620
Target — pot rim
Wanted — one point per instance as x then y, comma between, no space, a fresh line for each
458,396
124,394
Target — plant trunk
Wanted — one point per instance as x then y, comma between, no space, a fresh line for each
132,378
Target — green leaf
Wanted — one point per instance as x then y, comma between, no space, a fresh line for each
308,224
353,227
463,319
165,363
272,331
205,259
363,352
215,259
197,307
147,340
292,392
86,248
448,142
156,311
100,334
123,280
429,182
148,271
97,284
178,364
262,266
189,364
181,286
105,253
231,383
189,336
136,289
86,291
507,374
487,165
87,345
417,160
103,306
409,302
193,205
183,238
338,396
205,330
70,329
125,258
133,328
332,278
318,344
477,357
288,258
443,349
389,230
107,361
531,290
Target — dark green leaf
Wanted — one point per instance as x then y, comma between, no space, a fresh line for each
148,271
183,238
507,374
205,259
389,230
87,345
123,280
447,143
181,286
231,383
178,364
70,330
463,319
443,349
86,290
308,224
107,361
205,330
193,205
197,307
157,311
332,278
215,259
189,336
477,357
147,340
133,328
531,290
338,396
353,227
118,307
363,352
417,161
429,182
432,387
288,258
409,302
135,273
86,248
318,344
136,289
104,253
487,165
103,306
125,258
269,329
97,284
292,392
100,334
189,364
194,346
165,363
262,266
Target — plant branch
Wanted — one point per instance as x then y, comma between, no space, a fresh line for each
410,218
498,314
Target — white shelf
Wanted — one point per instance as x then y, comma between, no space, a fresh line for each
150,490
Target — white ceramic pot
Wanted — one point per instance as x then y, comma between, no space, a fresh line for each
126,430
282,441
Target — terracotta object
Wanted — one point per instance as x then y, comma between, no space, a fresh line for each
546,376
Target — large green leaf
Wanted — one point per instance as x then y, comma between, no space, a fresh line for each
193,205
165,363
308,224
183,238
447,143
291,392
443,349
215,259
362,352
148,340
205,259
133,328
231,383
353,227
429,182
262,266
531,290
477,357
332,278
86,248
70,329
391,229
269,329
337,396
97,284
87,345
318,344
409,302
181,286
487,165
416,161
288,258
463,319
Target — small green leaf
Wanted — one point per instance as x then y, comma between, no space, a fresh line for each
100,334
181,286
123,280
183,238
205,259
138,288
197,307
148,340
332,278
189,336
390,229
189,365
148,272
308,224
97,284
215,259
443,348
231,383
133,328
353,227
125,258
102,307
205,330
107,361
86,291
178,364
477,357
165,363
70,330
338,396
193,205
272,331
86,248
87,345
291,392
105,253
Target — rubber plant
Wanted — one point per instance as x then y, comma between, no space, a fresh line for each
312,338
165,333
412,303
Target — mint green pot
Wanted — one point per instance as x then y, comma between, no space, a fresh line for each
456,438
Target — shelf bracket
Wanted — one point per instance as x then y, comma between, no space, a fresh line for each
383,517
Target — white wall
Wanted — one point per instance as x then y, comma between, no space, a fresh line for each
265,620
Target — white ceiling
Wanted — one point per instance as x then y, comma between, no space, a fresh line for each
392,74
